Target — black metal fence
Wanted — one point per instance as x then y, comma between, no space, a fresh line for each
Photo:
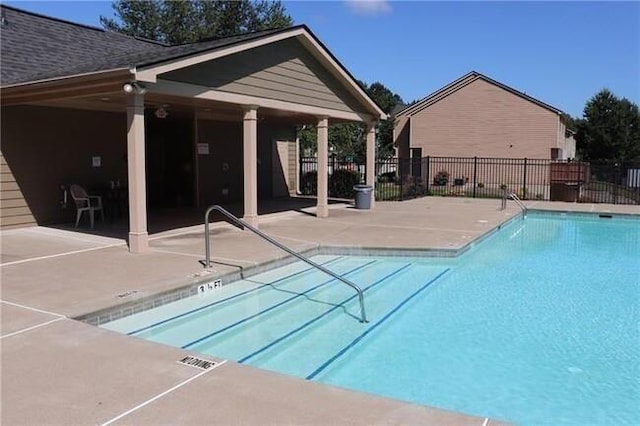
343,175
530,179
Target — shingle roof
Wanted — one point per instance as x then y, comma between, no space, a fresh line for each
35,47
462,82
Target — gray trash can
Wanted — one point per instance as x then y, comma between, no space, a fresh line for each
363,196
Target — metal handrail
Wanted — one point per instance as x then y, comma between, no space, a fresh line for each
242,224
518,201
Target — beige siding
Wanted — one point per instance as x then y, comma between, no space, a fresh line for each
284,168
43,148
280,168
293,166
285,71
273,165
13,207
484,120
401,136
570,147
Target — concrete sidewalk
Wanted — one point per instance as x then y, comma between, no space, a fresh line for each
56,370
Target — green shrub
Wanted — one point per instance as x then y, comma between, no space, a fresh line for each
413,186
524,194
387,177
441,178
341,183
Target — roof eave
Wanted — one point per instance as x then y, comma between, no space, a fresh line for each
125,71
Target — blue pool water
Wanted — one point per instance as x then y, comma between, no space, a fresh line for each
539,323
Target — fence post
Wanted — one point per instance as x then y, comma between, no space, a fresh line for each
300,173
524,180
333,163
617,180
475,175
400,169
428,158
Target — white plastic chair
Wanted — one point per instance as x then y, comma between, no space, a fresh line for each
85,203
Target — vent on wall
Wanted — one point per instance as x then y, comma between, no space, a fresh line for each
197,362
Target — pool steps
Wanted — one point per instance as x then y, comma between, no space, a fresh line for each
265,328
246,226
230,311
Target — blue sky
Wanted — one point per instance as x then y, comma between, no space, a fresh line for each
559,52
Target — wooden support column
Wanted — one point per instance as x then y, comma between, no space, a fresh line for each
138,236
322,209
371,159
250,159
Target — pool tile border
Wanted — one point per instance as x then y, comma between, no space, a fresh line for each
144,303
147,302
585,215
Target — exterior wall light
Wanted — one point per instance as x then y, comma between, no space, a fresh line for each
161,113
134,87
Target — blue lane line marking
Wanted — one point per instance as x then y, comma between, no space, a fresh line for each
193,311
373,327
308,323
271,308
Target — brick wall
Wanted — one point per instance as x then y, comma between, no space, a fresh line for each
484,120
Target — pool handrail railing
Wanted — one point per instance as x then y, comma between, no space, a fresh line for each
244,225
518,201
514,197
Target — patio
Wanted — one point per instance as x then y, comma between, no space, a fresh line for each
79,374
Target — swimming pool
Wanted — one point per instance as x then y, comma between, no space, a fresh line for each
536,324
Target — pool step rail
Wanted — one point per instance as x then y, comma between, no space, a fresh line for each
236,304
244,225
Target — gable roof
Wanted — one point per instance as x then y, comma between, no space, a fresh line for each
37,48
463,81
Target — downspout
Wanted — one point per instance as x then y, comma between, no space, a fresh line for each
558,135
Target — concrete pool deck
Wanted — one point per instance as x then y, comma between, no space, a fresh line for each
57,370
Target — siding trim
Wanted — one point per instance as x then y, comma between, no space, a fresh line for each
150,74
201,92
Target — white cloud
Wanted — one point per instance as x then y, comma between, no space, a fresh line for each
369,7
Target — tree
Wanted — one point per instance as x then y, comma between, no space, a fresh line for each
347,140
307,140
609,130
387,101
176,22
385,98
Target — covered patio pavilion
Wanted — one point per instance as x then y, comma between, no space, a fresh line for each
202,123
